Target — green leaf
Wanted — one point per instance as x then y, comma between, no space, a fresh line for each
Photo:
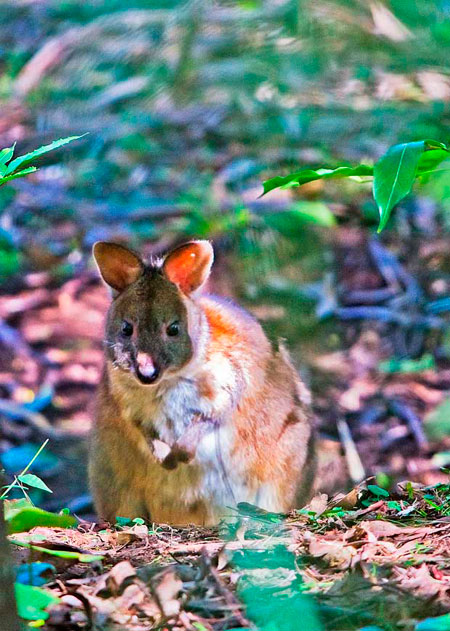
315,212
309,175
441,623
14,176
62,554
377,490
33,480
5,156
21,160
429,160
33,601
394,175
25,517
123,521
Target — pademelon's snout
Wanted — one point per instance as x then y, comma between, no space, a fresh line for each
147,370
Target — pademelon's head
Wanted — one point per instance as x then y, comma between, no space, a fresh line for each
149,330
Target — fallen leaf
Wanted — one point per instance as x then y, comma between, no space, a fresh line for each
318,504
167,592
116,580
335,552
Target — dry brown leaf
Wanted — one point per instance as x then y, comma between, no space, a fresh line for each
379,528
318,504
116,580
348,501
335,552
133,596
420,581
167,592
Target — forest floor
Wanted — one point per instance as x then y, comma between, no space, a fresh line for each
369,558
362,560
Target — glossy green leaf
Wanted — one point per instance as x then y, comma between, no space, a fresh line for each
309,175
34,481
21,160
394,175
32,602
25,517
121,522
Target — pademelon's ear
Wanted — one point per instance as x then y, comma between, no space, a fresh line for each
118,266
189,265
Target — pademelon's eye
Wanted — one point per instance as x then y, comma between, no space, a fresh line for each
127,328
173,329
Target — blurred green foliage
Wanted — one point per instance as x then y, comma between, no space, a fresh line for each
190,105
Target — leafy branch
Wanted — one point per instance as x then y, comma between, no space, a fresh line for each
12,169
393,174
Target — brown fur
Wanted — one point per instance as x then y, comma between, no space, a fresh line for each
248,387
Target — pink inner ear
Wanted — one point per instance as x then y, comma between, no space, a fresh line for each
189,266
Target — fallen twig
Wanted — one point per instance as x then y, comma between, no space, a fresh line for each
355,466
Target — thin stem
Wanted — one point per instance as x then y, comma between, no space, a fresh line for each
5,493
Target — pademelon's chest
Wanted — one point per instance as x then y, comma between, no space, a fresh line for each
168,417
173,410
171,417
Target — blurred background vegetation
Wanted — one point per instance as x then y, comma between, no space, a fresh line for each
189,106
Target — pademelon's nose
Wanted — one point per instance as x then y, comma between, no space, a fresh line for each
146,369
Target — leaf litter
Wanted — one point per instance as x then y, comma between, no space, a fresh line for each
371,563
